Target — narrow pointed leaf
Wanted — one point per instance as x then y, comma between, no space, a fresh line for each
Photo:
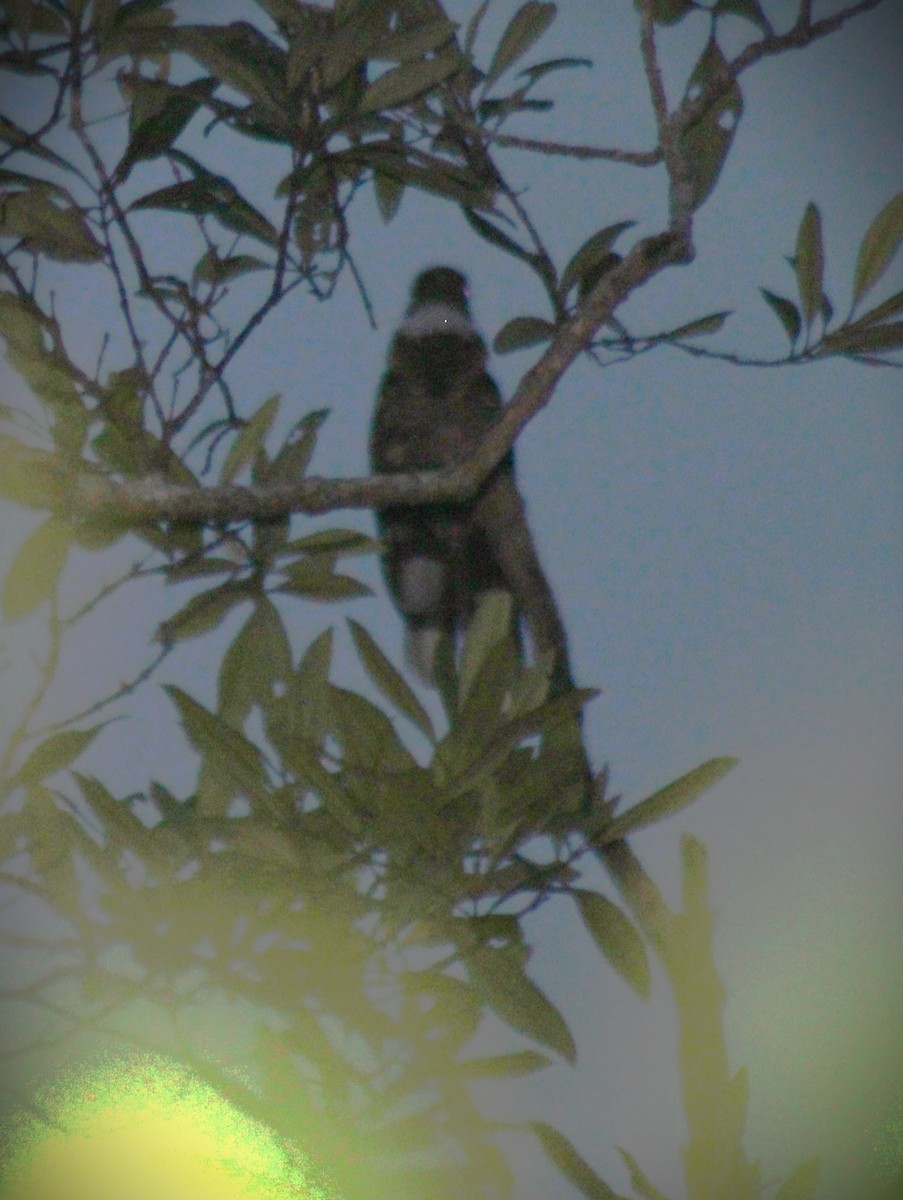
36,569
258,657
490,624
515,998
809,262
389,681
55,753
571,1164
616,938
671,799
872,339
638,1181
521,1062
702,325
249,441
707,141
497,236
787,313
878,247
527,25
210,735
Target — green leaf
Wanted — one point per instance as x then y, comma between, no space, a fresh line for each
527,25
497,236
888,308
389,681
36,569
879,246
389,192
213,269
316,581
536,72
45,228
240,762
334,541
170,110
707,141
802,1182
809,262
208,194
787,313
520,332
873,339
34,478
293,457
616,938
750,10
571,1164
594,252
671,799
258,657
702,325
410,80
54,754
490,624
415,43
249,442
521,1062
669,12
638,1181
202,613
499,979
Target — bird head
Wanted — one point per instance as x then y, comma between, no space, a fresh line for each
441,285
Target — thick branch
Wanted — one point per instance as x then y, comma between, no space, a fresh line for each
153,499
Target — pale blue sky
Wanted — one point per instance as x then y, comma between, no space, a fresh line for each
725,547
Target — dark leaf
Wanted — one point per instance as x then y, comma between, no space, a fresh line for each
572,1165
787,313
497,236
259,656
595,250
871,340
202,613
415,43
54,754
707,141
334,541
554,64
515,998
410,80
671,799
12,135
389,681
527,25
809,262
750,10
616,938
389,192
669,12
36,569
522,331
702,325
171,108
213,269
878,247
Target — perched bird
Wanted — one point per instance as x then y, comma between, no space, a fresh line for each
435,402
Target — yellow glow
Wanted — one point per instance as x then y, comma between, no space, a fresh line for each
146,1129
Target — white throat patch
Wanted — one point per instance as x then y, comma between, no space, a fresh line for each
436,318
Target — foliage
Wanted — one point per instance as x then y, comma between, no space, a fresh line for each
356,874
